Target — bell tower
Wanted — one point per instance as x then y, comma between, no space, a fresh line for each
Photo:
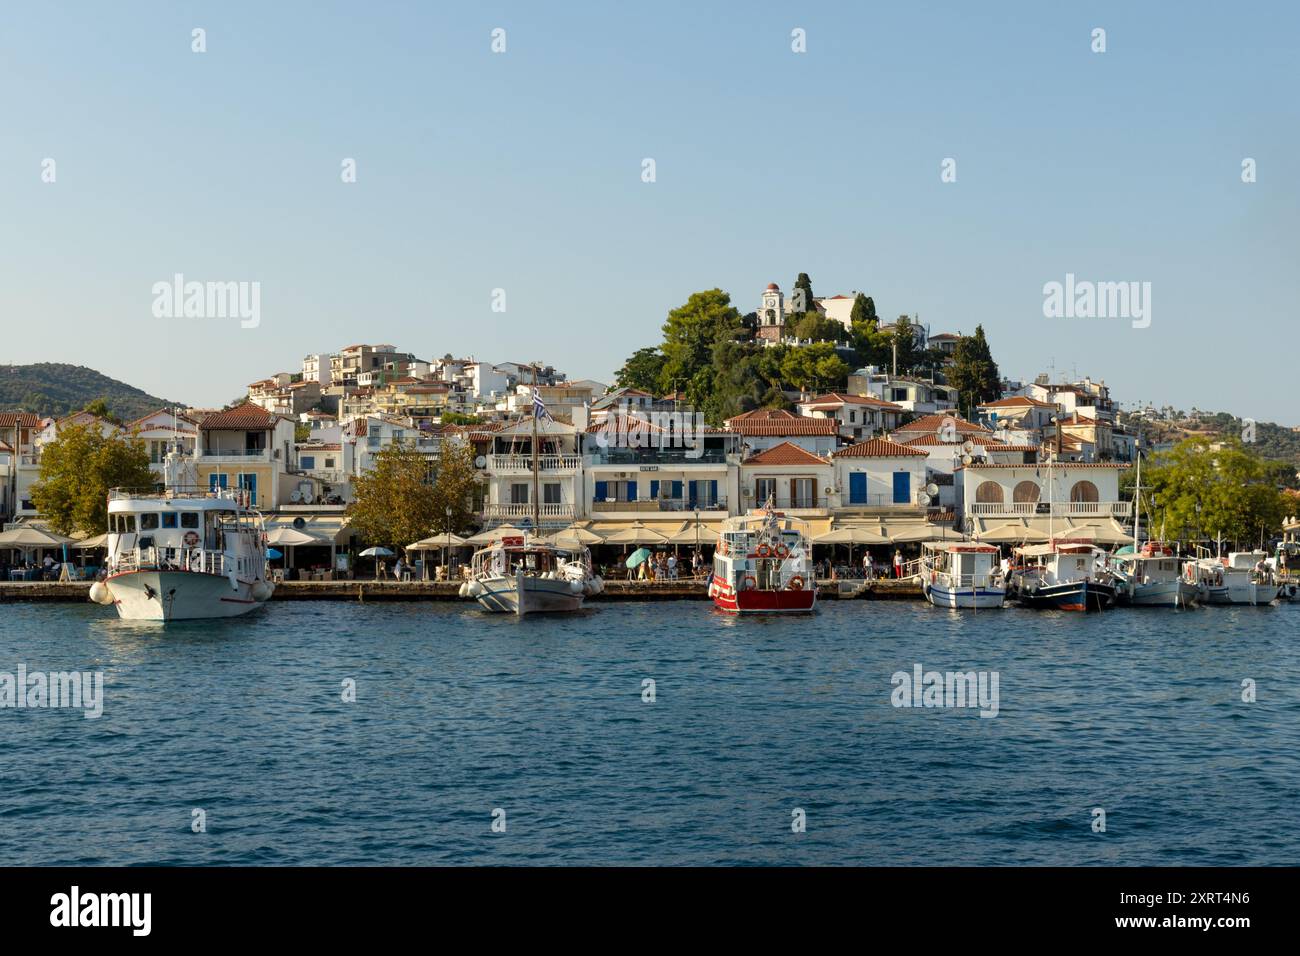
771,315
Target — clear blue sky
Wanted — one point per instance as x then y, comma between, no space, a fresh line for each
522,171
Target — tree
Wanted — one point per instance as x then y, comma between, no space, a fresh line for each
99,408
77,470
974,373
864,310
455,481
644,371
690,335
1213,490
814,368
804,283
395,500
818,328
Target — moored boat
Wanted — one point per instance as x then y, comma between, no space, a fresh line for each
515,575
1152,577
762,565
962,575
1240,578
1061,575
183,555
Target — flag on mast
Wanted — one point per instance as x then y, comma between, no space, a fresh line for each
539,409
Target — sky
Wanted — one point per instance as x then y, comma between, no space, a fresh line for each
522,171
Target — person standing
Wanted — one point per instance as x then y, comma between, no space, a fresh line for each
898,563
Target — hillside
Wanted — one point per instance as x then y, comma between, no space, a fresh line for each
51,388
1269,440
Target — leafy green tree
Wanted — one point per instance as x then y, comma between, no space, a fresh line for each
903,350
99,408
818,328
77,470
804,283
455,481
814,368
456,418
1205,489
864,310
974,373
691,334
395,500
643,370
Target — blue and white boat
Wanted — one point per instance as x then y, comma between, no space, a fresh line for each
962,575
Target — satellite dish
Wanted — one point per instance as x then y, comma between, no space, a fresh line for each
480,462
923,499
966,459
932,489
968,446
295,496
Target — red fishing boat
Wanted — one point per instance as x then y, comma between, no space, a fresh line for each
763,565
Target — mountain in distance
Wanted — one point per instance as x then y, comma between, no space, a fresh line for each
56,389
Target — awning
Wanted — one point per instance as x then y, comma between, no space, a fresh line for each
691,532
293,538
98,541
639,533
495,534
29,537
853,534
326,529
1102,532
575,534
1015,531
437,542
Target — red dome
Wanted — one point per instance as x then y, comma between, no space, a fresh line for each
773,287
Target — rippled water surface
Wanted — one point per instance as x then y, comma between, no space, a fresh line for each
459,713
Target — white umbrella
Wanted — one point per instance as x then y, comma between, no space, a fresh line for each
28,537
292,537
437,542
575,535
494,534
637,534
98,541
376,553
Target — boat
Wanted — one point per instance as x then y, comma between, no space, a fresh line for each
518,575
1233,580
1061,575
962,575
762,565
1153,577
183,554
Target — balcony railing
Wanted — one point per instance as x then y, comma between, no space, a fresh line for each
1027,509
516,511
235,453
524,463
657,456
679,505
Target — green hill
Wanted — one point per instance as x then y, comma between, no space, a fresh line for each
52,388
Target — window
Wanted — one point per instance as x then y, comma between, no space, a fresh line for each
1084,491
519,494
551,493
149,522
329,462
1025,492
764,488
169,519
988,493
190,519
308,462
802,494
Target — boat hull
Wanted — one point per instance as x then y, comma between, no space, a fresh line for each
523,594
966,598
180,596
1253,595
762,601
1072,596
1159,594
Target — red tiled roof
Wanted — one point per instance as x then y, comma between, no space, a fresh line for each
777,422
932,423
878,448
20,419
839,398
246,415
982,440
1016,400
786,453
180,416
5,446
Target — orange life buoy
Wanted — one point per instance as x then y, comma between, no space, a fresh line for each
781,550
796,583
191,538
764,550
748,582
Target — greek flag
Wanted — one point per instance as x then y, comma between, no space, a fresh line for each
539,409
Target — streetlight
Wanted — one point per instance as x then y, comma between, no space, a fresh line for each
445,568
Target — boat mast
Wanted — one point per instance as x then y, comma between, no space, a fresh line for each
1137,502
537,520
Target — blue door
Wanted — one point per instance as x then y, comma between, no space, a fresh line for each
677,491
631,491
857,487
602,490
654,490
902,487
216,481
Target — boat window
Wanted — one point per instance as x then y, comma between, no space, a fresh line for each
190,519
128,523
169,519
148,522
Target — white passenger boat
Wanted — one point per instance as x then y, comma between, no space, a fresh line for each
1152,577
962,575
1233,580
183,554
516,575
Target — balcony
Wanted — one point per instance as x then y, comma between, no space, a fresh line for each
681,506
237,454
516,512
1057,509
523,464
674,457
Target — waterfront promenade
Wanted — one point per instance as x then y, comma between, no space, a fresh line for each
363,590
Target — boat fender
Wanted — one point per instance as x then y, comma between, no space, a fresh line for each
796,583
464,589
599,584
234,580
261,590
575,587
475,588
100,594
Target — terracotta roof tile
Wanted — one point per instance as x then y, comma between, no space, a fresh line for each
786,453
932,423
246,415
21,419
879,448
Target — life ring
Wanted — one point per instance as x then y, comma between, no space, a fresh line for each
781,550
796,583
748,582
191,538
764,550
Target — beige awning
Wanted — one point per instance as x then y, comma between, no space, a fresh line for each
574,534
693,531
438,542
637,534
1011,532
98,541
852,534
293,538
1102,532
29,537
921,532
326,529
495,534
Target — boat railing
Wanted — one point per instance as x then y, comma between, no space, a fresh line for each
198,560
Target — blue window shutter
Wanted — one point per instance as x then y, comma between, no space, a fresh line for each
677,490
631,491
654,488
602,490
713,492
857,488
